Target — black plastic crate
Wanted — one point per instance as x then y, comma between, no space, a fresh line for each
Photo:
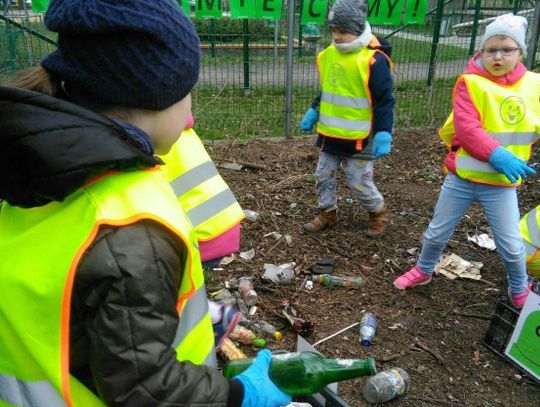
500,332
501,327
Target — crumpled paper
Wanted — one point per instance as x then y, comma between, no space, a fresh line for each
452,266
483,240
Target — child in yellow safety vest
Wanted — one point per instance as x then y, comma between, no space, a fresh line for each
103,293
494,122
354,114
530,232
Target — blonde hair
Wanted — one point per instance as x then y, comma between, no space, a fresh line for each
40,80
37,79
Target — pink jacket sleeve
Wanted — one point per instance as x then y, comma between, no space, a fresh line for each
469,131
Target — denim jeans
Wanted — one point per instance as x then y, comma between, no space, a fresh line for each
500,205
359,174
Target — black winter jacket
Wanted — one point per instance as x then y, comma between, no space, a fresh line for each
123,305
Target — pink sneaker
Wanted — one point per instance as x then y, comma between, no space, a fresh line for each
411,278
519,299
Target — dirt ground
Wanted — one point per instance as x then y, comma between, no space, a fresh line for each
439,327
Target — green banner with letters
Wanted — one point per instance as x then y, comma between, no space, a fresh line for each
415,11
270,9
243,9
184,5
381,12
39,6
387,12
314,11
208,9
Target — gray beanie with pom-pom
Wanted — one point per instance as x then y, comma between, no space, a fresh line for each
349,15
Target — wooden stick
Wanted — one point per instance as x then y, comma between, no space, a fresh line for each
435,354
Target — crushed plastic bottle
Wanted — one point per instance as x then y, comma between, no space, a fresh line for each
338,281
368,326
386,385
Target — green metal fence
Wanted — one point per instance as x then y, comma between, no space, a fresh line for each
242,87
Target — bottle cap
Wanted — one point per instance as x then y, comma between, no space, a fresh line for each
258,342
278,335
366,342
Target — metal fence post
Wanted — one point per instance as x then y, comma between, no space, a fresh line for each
289,67
246,56
474,30
533,39
435,43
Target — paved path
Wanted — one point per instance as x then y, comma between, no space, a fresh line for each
305,75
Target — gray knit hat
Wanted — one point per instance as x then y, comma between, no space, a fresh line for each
509,25
348,15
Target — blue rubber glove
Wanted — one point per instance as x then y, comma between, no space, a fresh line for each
310,118
259,391
505,162
382,144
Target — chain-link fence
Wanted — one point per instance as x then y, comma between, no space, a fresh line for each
242,87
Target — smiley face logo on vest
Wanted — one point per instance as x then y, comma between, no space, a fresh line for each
336,75
512,110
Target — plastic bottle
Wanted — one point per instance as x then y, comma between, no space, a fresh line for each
248,294
368,326
266,328
338,281
300,325
386,385
246,336
303,373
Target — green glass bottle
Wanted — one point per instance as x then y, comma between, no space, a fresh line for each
304,373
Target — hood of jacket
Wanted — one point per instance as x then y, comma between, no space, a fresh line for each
51,147
475,66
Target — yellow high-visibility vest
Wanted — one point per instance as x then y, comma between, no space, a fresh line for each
41,249
205,197
509,114
530,232
346,107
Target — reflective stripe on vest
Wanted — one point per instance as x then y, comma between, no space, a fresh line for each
345,109
38,353
509,114
206,198
23,393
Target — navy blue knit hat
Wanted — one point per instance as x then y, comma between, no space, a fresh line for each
135,53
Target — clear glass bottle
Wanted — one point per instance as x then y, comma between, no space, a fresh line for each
303,373
248,294
386,385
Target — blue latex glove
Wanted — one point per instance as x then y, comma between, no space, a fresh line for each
310,118
505,162
259,390
382,144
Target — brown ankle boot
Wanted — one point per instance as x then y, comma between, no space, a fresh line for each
322,221
378,222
